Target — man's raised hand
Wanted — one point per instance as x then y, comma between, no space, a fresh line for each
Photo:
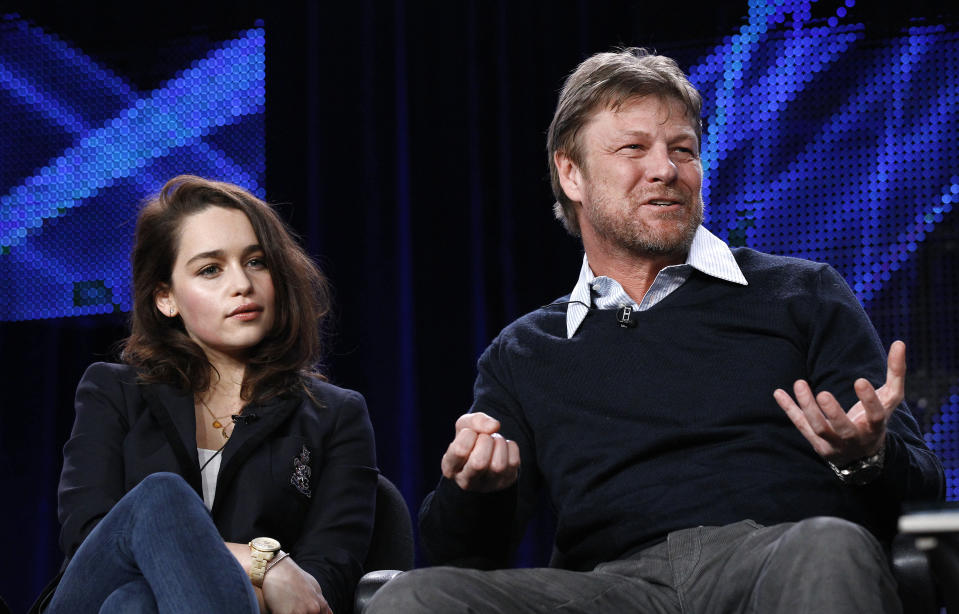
843,437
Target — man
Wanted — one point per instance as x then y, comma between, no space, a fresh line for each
650,407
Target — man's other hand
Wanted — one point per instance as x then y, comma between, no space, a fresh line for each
479,458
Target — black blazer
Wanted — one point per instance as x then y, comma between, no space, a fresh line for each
126,429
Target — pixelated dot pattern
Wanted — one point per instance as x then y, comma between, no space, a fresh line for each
83,148
942,438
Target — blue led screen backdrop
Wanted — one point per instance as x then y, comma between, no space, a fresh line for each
82,148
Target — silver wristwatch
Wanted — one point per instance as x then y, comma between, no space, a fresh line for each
862,471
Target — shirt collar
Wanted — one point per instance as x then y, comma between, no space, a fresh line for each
707,254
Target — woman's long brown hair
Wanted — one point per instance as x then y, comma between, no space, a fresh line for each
160,347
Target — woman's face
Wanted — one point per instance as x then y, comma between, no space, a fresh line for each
221,285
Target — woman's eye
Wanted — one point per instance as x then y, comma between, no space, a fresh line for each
256,263
209,270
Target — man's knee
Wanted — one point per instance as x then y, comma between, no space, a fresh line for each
833,533
826,564
826,543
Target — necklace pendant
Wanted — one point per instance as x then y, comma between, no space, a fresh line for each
225,435
217,425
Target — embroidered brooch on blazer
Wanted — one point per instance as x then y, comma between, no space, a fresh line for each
301,473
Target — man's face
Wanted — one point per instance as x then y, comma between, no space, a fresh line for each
640,182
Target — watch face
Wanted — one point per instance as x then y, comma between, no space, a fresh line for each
265,544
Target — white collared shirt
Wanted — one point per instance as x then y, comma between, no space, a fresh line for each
707,254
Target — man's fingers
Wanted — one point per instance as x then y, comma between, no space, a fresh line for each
513,450
458,452
799,420
479,422
839,425
480,457
794,412
809,405
875,409
803,392
499,459
894,389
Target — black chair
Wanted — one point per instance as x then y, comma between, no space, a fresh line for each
926,558
914,578
391,548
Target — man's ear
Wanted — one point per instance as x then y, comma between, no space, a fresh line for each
163,298
570,176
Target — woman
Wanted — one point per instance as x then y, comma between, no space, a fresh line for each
216,431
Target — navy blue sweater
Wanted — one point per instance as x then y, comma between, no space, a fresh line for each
637,432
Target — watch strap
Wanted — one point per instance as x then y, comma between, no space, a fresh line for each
259,559
862,471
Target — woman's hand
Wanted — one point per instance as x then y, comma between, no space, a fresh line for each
287,589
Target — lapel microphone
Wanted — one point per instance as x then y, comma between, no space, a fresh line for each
244,418
624,315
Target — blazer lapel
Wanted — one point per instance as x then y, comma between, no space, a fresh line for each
250,435
174,411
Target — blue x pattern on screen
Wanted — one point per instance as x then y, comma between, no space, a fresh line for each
825,143
82,148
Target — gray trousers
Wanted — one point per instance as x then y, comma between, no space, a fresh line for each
819,565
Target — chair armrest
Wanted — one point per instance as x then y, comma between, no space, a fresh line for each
914,577
369,584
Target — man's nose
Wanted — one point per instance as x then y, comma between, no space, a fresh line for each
660,167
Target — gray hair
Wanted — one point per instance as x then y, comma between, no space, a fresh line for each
607,80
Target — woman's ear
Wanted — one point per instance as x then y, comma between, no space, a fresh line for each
163,298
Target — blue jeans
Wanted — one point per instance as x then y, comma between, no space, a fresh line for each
157,550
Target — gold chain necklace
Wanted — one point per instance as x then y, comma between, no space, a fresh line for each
216,421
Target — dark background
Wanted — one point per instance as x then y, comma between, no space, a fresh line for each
406,144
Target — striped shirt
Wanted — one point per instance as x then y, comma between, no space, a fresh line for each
707,254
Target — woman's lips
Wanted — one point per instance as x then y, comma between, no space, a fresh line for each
246,312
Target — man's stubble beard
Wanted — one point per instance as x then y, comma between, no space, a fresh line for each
622,228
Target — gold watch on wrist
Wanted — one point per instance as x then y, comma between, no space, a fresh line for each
262,550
